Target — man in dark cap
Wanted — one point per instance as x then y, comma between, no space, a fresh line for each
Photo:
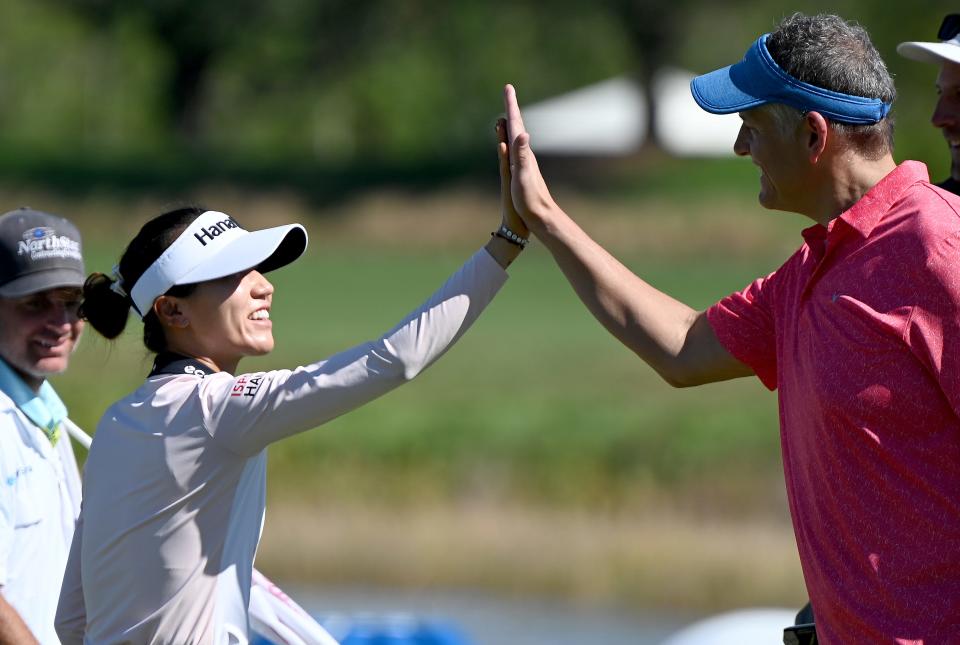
41,275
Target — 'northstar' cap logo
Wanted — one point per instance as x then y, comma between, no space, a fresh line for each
215,229
43,242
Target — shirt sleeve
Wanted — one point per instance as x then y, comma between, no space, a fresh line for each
71,617
933,328
250,411
744,325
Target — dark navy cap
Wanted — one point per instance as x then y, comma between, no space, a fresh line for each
38,251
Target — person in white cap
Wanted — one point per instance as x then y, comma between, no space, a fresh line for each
41,273
858,330
174,492
946,113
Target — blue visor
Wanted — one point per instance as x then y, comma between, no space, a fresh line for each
757,79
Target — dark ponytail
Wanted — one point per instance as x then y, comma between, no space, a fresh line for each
106,300
103,307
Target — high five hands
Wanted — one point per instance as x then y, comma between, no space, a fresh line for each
530,196
525,203
510,218
509,240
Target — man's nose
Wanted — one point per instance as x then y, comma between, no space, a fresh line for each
61,315
944,114
740,147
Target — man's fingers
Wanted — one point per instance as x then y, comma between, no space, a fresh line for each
515,125
520,152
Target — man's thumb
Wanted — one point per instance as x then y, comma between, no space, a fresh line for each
521,148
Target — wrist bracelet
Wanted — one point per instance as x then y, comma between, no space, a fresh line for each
510,236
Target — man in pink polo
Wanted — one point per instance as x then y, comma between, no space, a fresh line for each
858,331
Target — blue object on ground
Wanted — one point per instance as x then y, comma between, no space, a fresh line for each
260,640
394,629
401,629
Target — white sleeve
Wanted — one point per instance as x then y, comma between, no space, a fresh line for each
250,411
71,617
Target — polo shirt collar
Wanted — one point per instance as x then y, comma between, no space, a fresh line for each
173,363
866,213
43,408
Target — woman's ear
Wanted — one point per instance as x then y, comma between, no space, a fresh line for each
169,312
817,130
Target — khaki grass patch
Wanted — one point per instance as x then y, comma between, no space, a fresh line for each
657,559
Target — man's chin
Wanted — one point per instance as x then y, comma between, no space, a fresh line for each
766,201
50,366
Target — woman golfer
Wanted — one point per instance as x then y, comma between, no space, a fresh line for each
174,490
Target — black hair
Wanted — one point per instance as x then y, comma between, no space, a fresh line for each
106,309
829,52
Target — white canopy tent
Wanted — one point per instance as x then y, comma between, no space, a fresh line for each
609,119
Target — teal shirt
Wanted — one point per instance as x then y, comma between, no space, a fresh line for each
44,408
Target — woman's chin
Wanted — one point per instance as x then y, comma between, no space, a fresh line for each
261,348
258,344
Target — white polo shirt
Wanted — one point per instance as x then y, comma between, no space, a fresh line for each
174,491
39,502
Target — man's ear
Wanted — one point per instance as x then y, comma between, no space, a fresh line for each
169,312
817,132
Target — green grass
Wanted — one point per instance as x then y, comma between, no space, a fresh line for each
537,403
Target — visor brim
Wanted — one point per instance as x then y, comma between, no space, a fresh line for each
264,250
948,52
726,90
42,281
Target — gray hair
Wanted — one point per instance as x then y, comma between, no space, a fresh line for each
831,53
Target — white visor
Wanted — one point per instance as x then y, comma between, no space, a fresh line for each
947,51
214,246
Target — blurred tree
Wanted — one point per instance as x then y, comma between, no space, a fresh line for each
376,80
416,81
192,32
654,29
70,90
197,34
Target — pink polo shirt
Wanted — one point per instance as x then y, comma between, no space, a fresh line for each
860,332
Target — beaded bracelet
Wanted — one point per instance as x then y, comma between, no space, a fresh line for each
510,236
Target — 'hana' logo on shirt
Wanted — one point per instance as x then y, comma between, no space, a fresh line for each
246,385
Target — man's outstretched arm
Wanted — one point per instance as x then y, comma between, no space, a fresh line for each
674,339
